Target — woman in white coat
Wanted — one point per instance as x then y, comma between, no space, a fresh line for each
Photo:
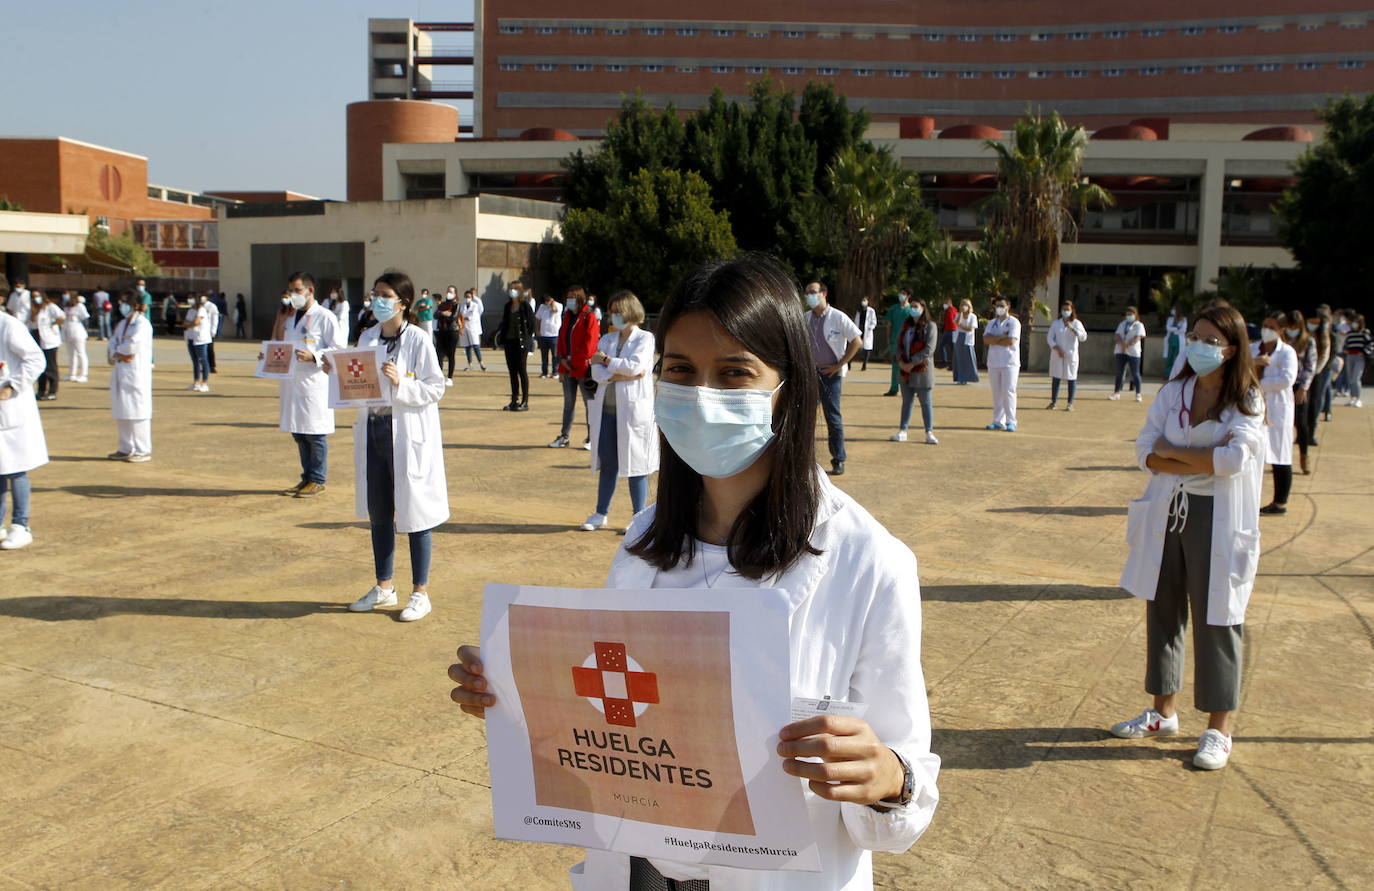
1278,367
74,337
47,321
305,411
742,504
1064,337
965,333
22,447
130,351
470,337
866,319
624,440
398,452
1194,535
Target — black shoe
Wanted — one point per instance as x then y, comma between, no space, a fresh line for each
524,406
1273,509
836,468
511,406
891,393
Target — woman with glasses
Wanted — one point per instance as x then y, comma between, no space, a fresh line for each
1194,535
1279,368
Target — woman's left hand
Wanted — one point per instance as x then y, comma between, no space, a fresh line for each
1300,397
389,369
855,766
1162,447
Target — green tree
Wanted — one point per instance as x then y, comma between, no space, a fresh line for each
125,248
654,229
7,204
1175,289
1040,191
959,271
1326,217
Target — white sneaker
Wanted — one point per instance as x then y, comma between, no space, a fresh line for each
373,599
4,532
594,522
1147,723
899,436
930,438
194,388
1355,403
1140,397
448,382
205,388
139,458
1213,750
18,537
417,607
1114,397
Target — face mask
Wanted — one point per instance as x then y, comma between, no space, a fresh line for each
1203,357
467,301
915,312
902,299
570,304
81,300
617,320
717,432
298,301
1066,313
286,301
139,289
591,301
383,309
1130,317
367,304
1313,326
1292,333
1269,335
513,292
124,309
813,300
202,301
1001,311
863,304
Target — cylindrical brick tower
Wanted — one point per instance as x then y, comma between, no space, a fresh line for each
372,124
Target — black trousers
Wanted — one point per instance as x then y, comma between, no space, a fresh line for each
516,356
47,381
446,344
210,352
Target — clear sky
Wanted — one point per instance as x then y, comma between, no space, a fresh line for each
229,94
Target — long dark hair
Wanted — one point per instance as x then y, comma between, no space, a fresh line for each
755,299
1238,381
399,282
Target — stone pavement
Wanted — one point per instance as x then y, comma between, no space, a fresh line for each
186,703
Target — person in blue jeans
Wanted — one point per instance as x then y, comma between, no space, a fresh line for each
22,446
835,339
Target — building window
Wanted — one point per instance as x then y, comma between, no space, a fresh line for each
1039,75
1112,72
756,69
1004,38
968,75
651,69
1228,69
512,29
1269,66
583,66
1270,27
1151,71
932,73
1351,26
651,32
686,69
757,33
1004,75
510,66
793,70
102,223
828,35
1041,37
424,185
582,29
794,34
863,72
616,68
723,32
1075,72
862,36
1114,35
1230,29
545,66
686,32
546,29
1192,31
827,72
1308,66
1152,32
969,38
1190,69
1310,26
617,32
1348,64
935,38
722,69
1077,35
898,72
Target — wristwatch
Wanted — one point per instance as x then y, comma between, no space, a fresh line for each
908,786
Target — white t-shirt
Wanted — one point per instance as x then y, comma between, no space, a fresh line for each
550,318
48,320
1126,330
1004,356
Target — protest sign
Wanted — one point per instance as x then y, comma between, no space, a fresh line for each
277,360
356,379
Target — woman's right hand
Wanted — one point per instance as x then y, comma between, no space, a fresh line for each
471,693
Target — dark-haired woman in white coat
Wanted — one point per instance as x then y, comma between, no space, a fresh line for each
1064,337
131,381
398,451
22,447
1277,365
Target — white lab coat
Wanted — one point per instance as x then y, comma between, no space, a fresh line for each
839,331
305,395
636,433
20,305
1238,473
1277,382
855,632
1067,336
869,324
22,447
131,383
341,315
74,325
1177,329
48,320
417,445
212,310
472,323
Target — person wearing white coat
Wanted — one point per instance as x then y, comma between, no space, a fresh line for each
1064,337
1003,338
1194,535
74,336
130,351
198,333
470,338
624,439
965,333
305,411
1278,367
22,447
398,451
1175,330
866,319
47,321
19,304
751,509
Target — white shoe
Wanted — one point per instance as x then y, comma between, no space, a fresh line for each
448,382
18,537
139,459
1355,403
205,388
417,607
1213,750
373,599
467,367
1114,397
930,438
594,522
587,445
899,436
1140,397
1147,723
194,388
4,532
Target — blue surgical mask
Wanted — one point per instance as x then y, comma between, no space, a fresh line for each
617,320
717,432
1291,333
1066,313
125,309
1204,358
914,311
1313,326
384,308
813,301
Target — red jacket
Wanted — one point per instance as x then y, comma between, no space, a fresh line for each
951,318
577,340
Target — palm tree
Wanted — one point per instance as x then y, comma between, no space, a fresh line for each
959,271
1175,289
1040,191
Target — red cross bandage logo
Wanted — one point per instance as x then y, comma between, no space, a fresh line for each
615,685
355,368
278,353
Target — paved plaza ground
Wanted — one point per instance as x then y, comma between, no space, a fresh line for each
185,701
